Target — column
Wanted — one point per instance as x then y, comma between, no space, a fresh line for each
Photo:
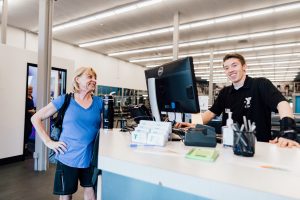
210,86
4,22
176,36
44,73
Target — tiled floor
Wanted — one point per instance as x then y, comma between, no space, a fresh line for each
18,181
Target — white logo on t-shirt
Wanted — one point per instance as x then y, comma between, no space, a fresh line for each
247,102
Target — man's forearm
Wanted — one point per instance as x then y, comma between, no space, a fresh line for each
207,116
285,110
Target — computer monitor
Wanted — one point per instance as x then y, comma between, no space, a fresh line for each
172,88
140,112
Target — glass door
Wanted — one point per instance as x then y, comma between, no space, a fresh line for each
57,87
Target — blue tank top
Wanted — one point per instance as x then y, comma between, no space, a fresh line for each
79,129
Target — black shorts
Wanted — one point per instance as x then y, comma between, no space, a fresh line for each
66,179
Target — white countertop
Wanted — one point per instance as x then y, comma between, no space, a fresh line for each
229,177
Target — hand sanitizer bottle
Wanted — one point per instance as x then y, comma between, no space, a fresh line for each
227,131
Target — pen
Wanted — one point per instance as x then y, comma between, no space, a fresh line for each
141,145
273,167
249,125
245,122
242,128
240,138
253,128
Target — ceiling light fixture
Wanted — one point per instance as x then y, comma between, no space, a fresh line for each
248,49
260,64
280,73
205,70
226,81
211,41
248,58
105,14
253,13
270,77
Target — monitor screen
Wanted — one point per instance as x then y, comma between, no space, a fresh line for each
175,86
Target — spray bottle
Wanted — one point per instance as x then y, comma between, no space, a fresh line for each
227,130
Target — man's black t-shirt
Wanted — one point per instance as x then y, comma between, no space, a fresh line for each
255,100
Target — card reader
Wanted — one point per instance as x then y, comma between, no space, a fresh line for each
202,136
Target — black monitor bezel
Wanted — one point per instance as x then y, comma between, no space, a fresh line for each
156,73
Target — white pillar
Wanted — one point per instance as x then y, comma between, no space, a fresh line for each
44,73
4,22
176,36
210,86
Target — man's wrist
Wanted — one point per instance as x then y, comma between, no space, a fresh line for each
289,134
288,128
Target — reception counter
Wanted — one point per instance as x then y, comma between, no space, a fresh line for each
144,173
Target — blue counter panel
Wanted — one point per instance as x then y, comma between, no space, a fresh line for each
117,187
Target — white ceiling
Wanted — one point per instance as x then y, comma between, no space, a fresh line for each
24,14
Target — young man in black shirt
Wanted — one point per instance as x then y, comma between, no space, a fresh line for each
254,98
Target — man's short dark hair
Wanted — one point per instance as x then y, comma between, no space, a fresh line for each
235,55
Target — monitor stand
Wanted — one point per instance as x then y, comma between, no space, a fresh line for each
152,99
